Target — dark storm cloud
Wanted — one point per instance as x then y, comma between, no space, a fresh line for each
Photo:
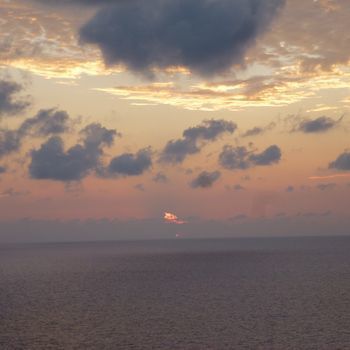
9,103
52,162
342,162
206,36
176,151
317,125
129,164
234,158
205,179
46,122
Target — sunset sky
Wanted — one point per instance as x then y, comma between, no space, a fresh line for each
174,118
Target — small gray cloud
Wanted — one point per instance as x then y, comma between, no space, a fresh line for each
238,187
11,192
290,189
326,186
52,162
2,169
318,125
176,151
206,36
205,179
95,136
160,178
271,155
259,130
239,217
140,187
241,158
234,158
129,164
342,162
209,130
10,104
254,131
10,141
46,122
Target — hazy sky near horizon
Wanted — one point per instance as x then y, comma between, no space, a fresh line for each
225,112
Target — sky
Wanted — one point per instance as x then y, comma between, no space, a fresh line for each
132,119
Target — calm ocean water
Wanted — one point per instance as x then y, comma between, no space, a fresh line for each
185,294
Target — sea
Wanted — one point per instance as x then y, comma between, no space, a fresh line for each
258,294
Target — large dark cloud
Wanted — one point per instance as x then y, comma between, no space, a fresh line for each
52,162
342,162
317,125
176,151
129,164
234,158
10,104
206,36
205,179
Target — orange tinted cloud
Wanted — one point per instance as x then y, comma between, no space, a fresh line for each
173,219
328,176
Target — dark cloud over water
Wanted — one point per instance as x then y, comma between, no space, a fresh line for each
206,36
52,162
176,151
235,158
129,164
317,125
205,179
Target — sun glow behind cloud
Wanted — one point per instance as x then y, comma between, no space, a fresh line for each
173,219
